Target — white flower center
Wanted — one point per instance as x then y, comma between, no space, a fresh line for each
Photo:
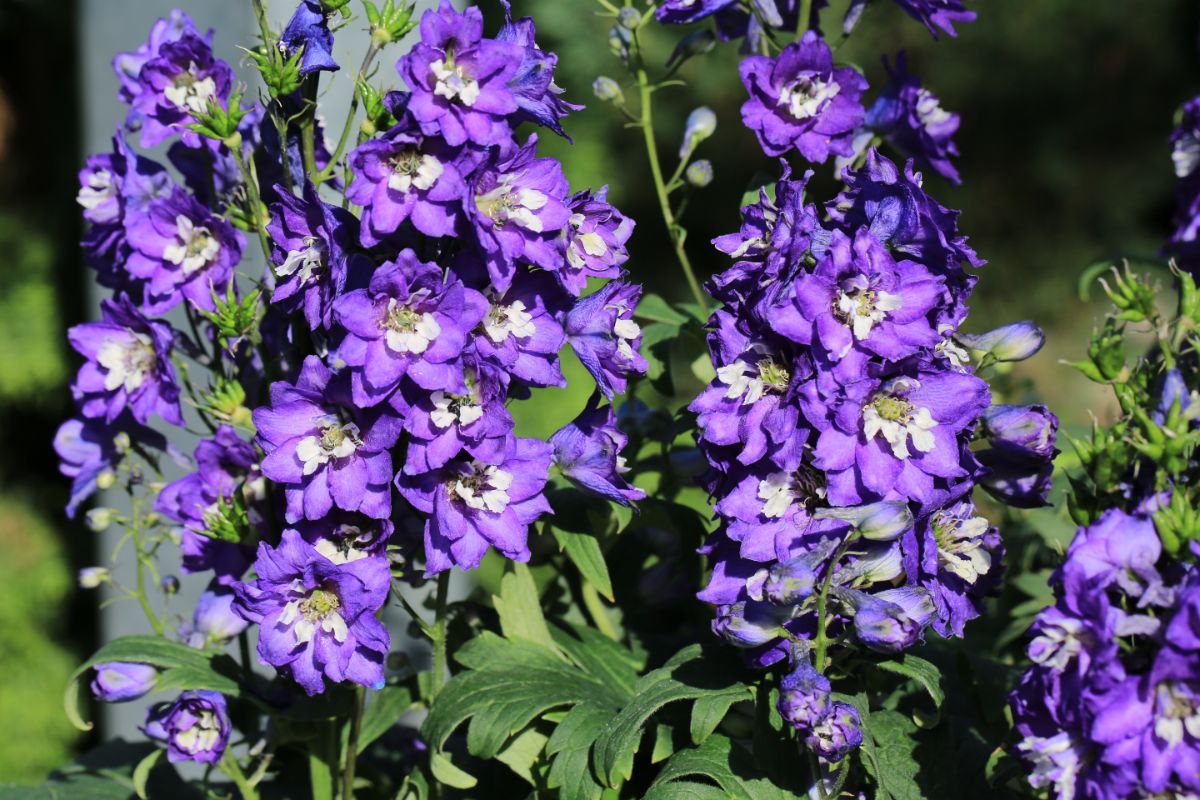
452,83
1178,712
346,543
1056,761
194,247
189,94
319,610
410,168
897,420
335,441
1186,155
1057,644
306,262
454,409
202,736
751,381
127,361
627,332
929,110
780,489
503,321
505,204
807,96
99,189
584,245
861,308
483,486
407,330
960,545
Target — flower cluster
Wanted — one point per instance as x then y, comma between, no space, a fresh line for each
1111,705
366,380
1184,243
840,422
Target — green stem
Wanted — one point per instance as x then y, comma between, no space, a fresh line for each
230,767
360,700
822,602
143,600
255,200
803,18
438,679
815,766
344,139
308,125
595,607
677,234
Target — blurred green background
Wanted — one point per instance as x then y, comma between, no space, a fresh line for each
1066,106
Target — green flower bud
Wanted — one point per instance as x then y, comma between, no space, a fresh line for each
700,173
98,519
607,90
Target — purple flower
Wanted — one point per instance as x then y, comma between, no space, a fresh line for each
195,727
129,65
838,734
799,99
343,537
214,620
1118,549
960,563
174,86
311,244
459,80
472,506
913,120
596,236
588,451
410,321
804,697
681,12
518,206
1172,392
769,509
533,84
308,29
181,251
859,298
405,175
1014,479
128,365
520,332
749,625
443,424
120,681
899,212
1028,431
889,621
317,618
601,331
323,450
90,449
934,14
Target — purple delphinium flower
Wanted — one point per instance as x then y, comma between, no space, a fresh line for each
323,450
960,563
889,621
129,65
442,424
518,206
473,506
90,449
309,29
311,244
195,727
316,618
588,451
128,365
596,236
214,620
175,85
859,298
459,80
412,320
899,212
121,681
798,99
1028,431
533,84
681,12
181,251
342,536
601,331
521,333
935,14
405,175
913,120
837,734
804,697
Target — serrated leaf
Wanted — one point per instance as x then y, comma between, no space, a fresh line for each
571,747
656,309
382,713
141,773
584,551
707,713
520,608
601,657
522,753
927,675
721,761
888,753
444,770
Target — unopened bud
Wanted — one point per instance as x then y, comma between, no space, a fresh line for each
880,522
700,173
607,90
699,43
92,577
106,479
629,18
122,442
700,125
619,39
169,585
98,519
1015,342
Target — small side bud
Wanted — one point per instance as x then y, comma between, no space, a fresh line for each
699,43
1015,342
98,519
607,90
880,522
92,577
700,173
629,18
169,585
701,124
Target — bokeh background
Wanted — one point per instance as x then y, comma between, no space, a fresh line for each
1066,106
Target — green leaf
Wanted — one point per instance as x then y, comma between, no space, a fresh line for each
707,713
656,349
721,761
584,551
382,713
655,309
571,746
888,753
685,790
921,671
444,770
141,773
522,753
520,608
599,656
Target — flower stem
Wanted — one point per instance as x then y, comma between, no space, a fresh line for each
822,602
244,651
229,765
344,138
803,18
677,233
255,200
136,533
818,781
360,700
438,679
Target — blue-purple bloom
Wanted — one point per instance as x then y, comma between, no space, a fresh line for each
89,450
214,621
601,331
308,31
533,86
121,681
596,236
938,14
179,82
588,451
195,727
913,120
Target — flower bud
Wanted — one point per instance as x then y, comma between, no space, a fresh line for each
695,44
1016,480
120,682
804,697
701,124
1024,430
748,624
607,90
619,40
789,582
890,621
1015,342
700,173
880,564
106,479
122,442
629,18
98,519
838,734
880,522
214,620
92,577
169,585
